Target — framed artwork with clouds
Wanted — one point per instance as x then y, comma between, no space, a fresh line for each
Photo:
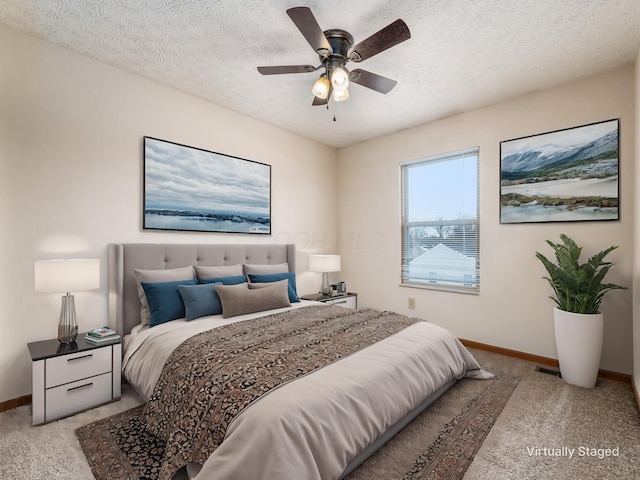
192,189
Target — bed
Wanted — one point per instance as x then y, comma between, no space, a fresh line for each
315,419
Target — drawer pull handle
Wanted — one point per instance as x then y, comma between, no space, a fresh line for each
80,358
80,386
341,301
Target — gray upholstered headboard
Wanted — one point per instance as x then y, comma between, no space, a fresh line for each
124,303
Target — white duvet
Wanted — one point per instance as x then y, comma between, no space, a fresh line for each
311,428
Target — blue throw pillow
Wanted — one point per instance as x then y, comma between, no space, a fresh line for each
165,302
235,280
276,277
200,300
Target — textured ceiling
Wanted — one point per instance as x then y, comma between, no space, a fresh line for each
462,54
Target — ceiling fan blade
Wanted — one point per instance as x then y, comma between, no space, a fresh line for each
371,80
308,26
319,101
286,69
380,41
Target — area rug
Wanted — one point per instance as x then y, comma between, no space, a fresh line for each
453,450
119,447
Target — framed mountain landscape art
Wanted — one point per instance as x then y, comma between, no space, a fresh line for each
192,189
562,176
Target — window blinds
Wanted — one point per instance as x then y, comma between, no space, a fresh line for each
440,227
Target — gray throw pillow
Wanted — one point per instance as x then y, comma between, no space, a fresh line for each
203,271
240,299
268,284
259,269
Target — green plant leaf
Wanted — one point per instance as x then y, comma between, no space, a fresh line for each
578,288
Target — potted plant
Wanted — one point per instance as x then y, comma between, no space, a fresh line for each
579,290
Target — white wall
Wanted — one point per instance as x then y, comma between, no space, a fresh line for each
71,135
513,309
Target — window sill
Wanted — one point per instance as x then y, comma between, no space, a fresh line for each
443,288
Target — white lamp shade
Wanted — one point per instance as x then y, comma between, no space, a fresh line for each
324,263
59,276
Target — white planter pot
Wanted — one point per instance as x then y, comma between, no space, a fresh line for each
579,345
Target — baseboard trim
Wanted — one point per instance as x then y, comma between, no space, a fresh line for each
15,403
621,377
634,386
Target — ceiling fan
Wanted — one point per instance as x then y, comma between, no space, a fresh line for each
335,48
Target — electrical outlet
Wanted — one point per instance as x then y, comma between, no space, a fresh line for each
412,302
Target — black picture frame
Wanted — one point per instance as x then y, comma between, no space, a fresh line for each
192,189
566,175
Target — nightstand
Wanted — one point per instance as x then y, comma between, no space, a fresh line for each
348,300
67,379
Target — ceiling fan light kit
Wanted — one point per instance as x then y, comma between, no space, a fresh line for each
335,48
340,95
339,79
321,87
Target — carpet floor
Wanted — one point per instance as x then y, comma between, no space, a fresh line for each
552,430
543,421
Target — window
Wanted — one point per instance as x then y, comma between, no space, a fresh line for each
441,222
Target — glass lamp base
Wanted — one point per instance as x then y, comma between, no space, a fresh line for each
68,327
325,284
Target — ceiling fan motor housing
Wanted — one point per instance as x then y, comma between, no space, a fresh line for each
341,42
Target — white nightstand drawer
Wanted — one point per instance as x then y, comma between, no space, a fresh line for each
77,396
68,368
347,302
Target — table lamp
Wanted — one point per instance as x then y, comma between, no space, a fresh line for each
324,264
59,276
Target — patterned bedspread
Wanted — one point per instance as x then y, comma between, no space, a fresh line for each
213,376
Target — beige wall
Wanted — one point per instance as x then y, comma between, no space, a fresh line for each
71,174
636,233
513,309
71,135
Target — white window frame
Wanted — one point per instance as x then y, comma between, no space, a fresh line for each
462,282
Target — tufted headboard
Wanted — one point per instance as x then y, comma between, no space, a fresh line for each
124,303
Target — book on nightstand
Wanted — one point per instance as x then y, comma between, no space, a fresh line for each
107,339
102,332
100,335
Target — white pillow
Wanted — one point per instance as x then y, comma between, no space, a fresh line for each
164,275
